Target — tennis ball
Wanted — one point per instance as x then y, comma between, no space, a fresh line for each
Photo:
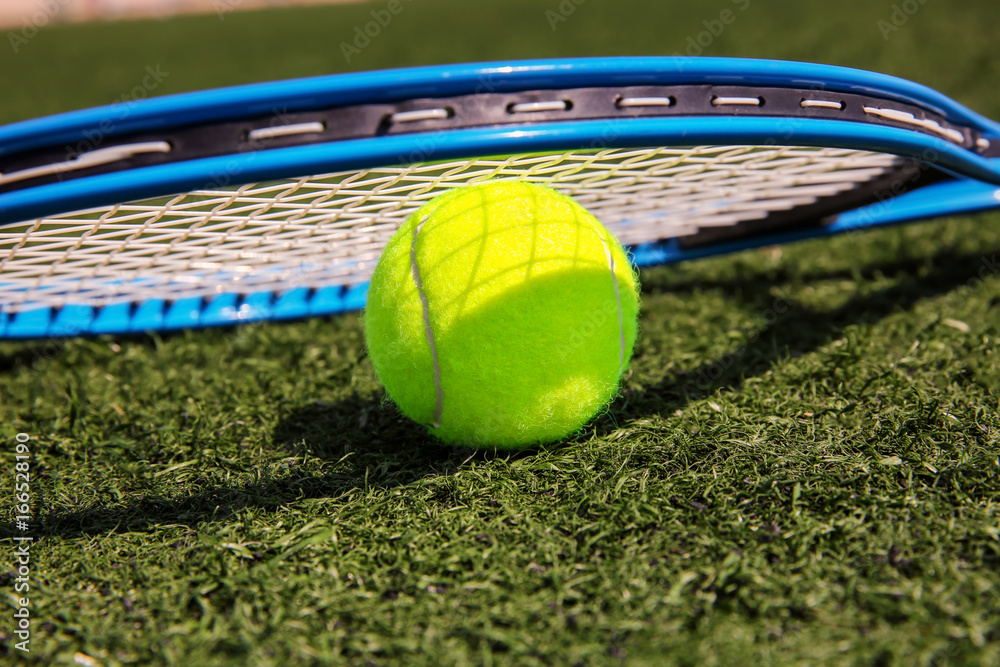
501,315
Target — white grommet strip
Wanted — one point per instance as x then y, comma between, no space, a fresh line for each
821,104
909,119
89,159
628,102
420,114
286,131
535,107
736,101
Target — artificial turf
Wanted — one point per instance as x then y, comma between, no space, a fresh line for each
802,467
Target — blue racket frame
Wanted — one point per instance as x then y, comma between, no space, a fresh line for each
974,189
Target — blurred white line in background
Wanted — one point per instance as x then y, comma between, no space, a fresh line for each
39,13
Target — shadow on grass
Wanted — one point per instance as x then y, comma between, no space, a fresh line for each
30,355
794,329
375,446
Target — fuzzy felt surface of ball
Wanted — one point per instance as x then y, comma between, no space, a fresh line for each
502,315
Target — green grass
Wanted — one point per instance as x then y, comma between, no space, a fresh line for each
802,467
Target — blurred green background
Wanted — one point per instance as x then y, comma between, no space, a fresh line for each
246,496
948,45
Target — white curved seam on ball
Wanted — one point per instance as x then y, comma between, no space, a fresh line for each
618,299
439,403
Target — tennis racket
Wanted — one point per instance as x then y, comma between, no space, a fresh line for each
273,201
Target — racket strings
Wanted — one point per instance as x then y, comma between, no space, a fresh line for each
329,230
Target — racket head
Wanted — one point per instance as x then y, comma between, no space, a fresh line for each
401,130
